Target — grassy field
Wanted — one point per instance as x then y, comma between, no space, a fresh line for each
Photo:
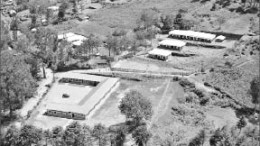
125,16
109,113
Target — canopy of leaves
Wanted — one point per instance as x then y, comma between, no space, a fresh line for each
136,107
17,82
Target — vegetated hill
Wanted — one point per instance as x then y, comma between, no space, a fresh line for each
125,16
223,18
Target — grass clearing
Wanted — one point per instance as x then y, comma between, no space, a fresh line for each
109,112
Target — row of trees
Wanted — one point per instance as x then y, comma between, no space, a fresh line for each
163,22
134,106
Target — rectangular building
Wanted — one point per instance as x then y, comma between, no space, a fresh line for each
172,44
192,35
75,95
159,54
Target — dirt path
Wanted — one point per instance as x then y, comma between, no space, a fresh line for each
162,106
40,91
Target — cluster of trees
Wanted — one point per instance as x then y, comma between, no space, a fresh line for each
138,111
134,106
229,136
74,134
162,22
17,81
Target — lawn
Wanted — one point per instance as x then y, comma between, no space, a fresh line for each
109,113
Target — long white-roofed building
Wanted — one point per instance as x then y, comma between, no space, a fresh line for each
192,35
172,44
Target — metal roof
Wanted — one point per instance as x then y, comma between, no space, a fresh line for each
160,52
172,42
190,33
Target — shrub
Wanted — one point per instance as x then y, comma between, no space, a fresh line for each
207,84
175,78
204,101
181,100
212,69
186,83
198,92
190,97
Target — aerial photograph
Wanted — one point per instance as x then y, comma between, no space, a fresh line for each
129,73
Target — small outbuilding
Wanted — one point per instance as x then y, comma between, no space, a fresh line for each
172,44
220,38
159,54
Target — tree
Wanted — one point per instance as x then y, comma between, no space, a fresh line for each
147,19
4,34
90,44
241,123
118,136
165,23
11,137
135,107
34,65
112,44
62,10
141,135
14,26
119,33
255,90
17,82
216,137
47,135
75,7
57,133
46,41
30,135
100,134
77,135
199,139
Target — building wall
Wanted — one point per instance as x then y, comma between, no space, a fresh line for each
68,115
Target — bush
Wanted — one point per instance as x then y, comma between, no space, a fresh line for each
191,97
199,93
212,69
186,83
181,100
207,84
204,101
175,78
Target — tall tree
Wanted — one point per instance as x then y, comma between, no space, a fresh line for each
11,137
17,82
30,135
241,123
62,10
100,134
90,44
47,42
135,107
165,23
14,26
141,135
77,135
112,44
57,134
255,90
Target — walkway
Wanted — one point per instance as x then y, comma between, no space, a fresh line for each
32,102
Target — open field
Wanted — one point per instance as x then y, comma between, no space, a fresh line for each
109,114
125,16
